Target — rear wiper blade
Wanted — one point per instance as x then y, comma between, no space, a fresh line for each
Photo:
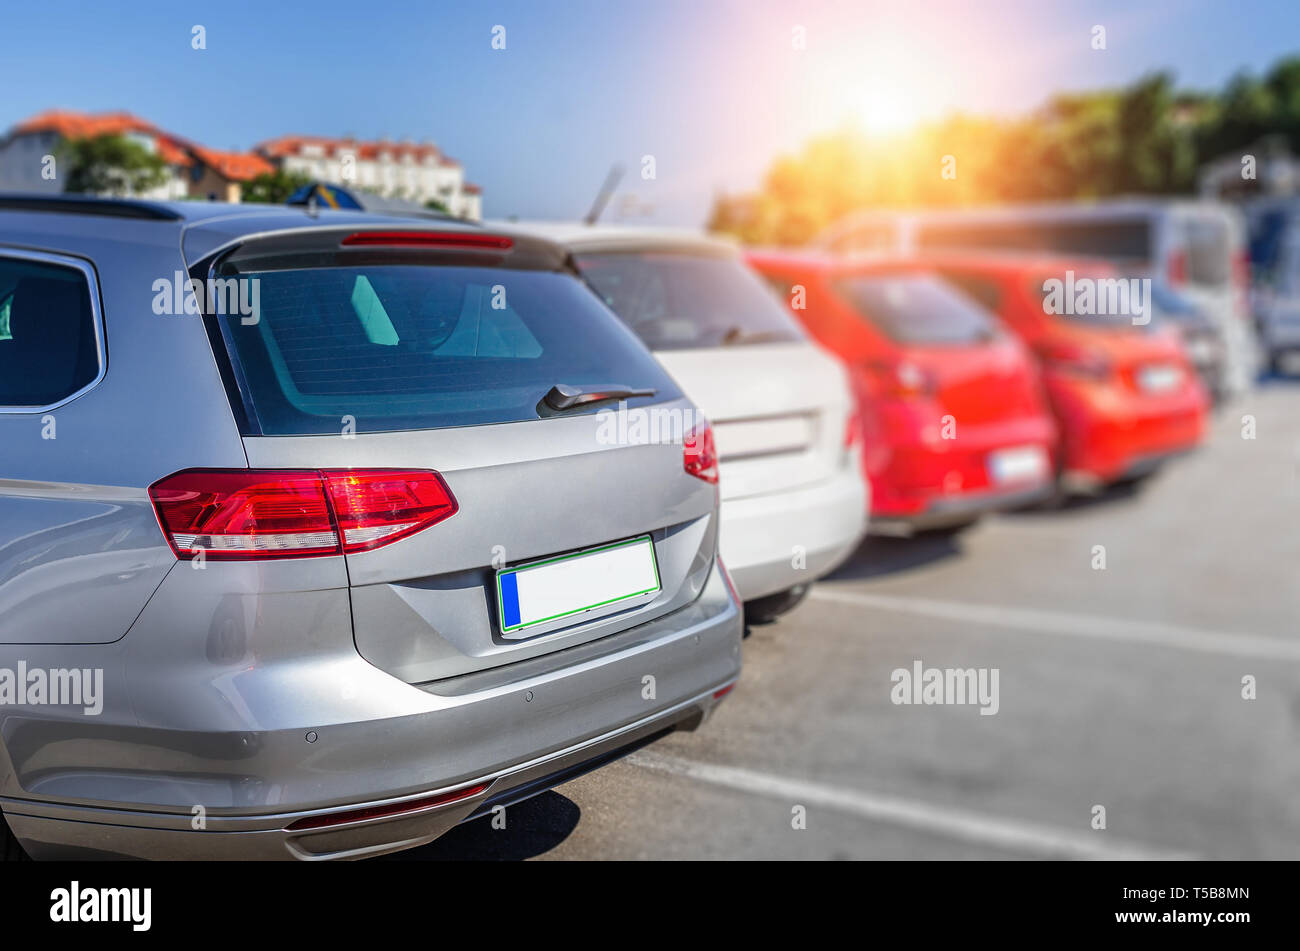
564,396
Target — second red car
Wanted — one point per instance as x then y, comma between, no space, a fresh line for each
1125,393
953,415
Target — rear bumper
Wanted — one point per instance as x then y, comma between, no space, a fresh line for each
774,542
928,483
1083,482
57,831
1110,436
136,790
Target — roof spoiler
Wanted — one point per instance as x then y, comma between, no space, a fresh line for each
88,205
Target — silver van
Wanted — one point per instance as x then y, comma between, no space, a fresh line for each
316,538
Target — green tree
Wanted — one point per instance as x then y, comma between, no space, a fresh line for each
1148,137
273,188
110,165
1155,154
1283,83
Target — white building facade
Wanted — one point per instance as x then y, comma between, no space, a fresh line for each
418,173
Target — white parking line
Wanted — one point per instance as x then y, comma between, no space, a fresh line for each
999,833
1073,625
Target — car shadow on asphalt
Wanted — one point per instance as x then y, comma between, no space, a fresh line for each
1118,493
533,827
881,555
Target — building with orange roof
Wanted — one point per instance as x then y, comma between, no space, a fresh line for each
29,155
418,172
29,152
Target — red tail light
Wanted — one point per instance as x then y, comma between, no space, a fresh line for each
378,506
1178,267
900,380
699,457
1241,269
1076,359
435,239
241,514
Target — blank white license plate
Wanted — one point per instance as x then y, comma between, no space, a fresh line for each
1021,464
597,581
1155,379
764,437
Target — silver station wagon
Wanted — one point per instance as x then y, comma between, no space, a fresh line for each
322,532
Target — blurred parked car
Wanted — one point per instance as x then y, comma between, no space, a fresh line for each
1202,338
1278,318
793,503
954,419
1275,263
374,651
1197,247
1126,397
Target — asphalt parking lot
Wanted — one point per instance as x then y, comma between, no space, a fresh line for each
1120,687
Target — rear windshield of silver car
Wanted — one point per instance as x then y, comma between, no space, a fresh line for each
381,348
687,300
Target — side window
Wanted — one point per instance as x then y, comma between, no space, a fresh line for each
49,348
986,292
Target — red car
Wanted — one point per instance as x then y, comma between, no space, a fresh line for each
1125,394
954,420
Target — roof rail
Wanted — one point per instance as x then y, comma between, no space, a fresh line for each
88,205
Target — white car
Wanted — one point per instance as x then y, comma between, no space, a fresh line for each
794,505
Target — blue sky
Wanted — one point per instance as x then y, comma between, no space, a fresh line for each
713,90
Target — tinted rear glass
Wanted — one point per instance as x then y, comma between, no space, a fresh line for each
419,347
676,301
987,292
873,236
1120,303
917,308
1092,238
